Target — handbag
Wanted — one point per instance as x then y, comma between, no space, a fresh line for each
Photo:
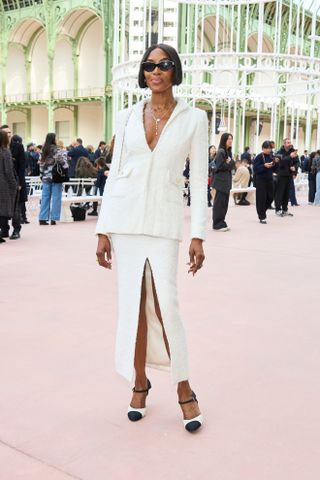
78,212
59,174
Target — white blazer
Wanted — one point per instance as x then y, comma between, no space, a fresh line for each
143,194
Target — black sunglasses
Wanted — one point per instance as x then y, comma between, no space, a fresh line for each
164,65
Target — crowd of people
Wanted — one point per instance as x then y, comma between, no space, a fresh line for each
54,164
271,172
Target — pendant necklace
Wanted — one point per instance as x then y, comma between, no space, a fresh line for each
157,120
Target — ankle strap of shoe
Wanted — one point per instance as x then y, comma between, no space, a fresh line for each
142,391
193,399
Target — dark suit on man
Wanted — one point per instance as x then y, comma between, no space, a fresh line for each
75,153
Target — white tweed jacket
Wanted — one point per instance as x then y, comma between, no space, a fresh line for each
143,194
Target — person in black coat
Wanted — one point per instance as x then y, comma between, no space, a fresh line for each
288,158
19,162
74,154
18,159
246,155
102,175
263,166
222,182
8,186
32,160
312,175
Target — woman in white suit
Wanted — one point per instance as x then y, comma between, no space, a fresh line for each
141,220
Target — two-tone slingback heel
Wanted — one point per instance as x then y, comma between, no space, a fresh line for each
135,414
195,423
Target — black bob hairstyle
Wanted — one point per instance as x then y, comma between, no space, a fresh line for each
172,54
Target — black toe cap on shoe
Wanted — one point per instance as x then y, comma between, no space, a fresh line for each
134,416
193,426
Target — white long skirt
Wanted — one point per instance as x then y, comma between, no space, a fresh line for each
157,258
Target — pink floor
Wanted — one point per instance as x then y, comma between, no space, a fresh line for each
253,326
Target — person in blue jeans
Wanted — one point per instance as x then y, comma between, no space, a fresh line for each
50,208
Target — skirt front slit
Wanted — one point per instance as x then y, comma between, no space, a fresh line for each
155,259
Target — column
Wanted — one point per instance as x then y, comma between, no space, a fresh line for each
3,66
237,121
182,28
75,121
50,104
318,128
108,39
243,129
75,61
257,130
28,129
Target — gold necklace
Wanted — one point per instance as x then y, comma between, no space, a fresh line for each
157,120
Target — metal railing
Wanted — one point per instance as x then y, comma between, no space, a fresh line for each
70,94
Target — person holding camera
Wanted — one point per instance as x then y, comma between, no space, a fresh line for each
287,158
263,166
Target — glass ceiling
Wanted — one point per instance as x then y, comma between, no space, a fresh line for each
14,4
309,4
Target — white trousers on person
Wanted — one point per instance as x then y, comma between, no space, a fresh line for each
157,259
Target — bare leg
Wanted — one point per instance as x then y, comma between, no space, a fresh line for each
139,399
190,410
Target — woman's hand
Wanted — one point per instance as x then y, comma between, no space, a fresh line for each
104,252
196,255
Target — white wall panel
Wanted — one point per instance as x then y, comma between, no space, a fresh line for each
90,124
39,66
16,72
39,124
91,58
63,67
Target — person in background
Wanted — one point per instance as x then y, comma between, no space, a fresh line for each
263,166
109,153
19,162
8,186
246,155
76,151
101,150
222,182
91,153
19,169
275,170
287,156
292,188
212,169
312,176
211,156
186,175
241,179
102,175
50,207
32,160
85,169
303,160
316,169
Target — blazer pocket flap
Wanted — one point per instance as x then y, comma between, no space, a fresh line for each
125,172
176,179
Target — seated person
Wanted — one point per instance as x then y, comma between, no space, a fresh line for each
241,179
